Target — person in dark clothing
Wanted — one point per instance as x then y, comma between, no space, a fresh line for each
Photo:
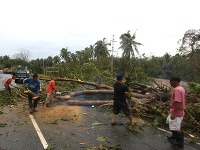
120,103
34,86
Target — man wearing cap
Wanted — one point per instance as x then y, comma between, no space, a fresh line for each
176,113
119,100
34,86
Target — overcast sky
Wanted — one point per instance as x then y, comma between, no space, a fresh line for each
44,27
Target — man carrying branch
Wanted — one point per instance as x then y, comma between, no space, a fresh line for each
34,87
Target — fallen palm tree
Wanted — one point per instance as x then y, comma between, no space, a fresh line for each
89,102
97,85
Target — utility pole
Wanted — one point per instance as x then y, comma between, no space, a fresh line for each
112,55
43,67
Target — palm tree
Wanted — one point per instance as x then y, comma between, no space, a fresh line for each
88,53
129,45
91,47
73,57
79,55
56,59
65,54
100,49
49,61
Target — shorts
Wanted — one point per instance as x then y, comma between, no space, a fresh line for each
121,106
49,97
174,125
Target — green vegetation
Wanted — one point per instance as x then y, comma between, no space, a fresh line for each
96,64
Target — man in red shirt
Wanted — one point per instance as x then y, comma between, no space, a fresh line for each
49,91
176,113
7,83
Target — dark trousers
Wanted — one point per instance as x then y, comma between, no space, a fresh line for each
177,138
32,104
8,89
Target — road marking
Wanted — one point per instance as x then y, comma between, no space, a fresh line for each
164,130
42,139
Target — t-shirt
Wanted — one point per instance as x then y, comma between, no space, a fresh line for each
51,86
178,95
8,81
33,85
119,92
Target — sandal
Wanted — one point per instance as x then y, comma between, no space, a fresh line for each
113,123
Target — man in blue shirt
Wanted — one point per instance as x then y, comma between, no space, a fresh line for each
34,86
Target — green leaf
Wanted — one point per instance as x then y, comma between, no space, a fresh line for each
96,124
101,138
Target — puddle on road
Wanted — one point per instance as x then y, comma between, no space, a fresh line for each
93,96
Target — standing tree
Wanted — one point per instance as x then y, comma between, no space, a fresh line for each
23,54
190,42
56,59
129,46
190,46
65,54
100,49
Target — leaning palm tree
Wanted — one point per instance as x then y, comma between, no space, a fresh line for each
129,45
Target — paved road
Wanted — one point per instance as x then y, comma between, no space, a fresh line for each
66,127
70,127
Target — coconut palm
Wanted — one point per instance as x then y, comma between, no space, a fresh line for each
65,54
100,49
56,59
129,45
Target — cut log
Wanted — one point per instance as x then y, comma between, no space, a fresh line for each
64,97
91,92
140,96
88,103
141,101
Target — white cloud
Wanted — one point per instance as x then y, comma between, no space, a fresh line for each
47,25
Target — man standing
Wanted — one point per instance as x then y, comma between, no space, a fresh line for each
7,83
33,86
176,114
119,100
49,91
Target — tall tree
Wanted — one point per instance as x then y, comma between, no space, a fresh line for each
190,42
23,54
56,59
65,54
100,49
190,46
129,45
49,61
